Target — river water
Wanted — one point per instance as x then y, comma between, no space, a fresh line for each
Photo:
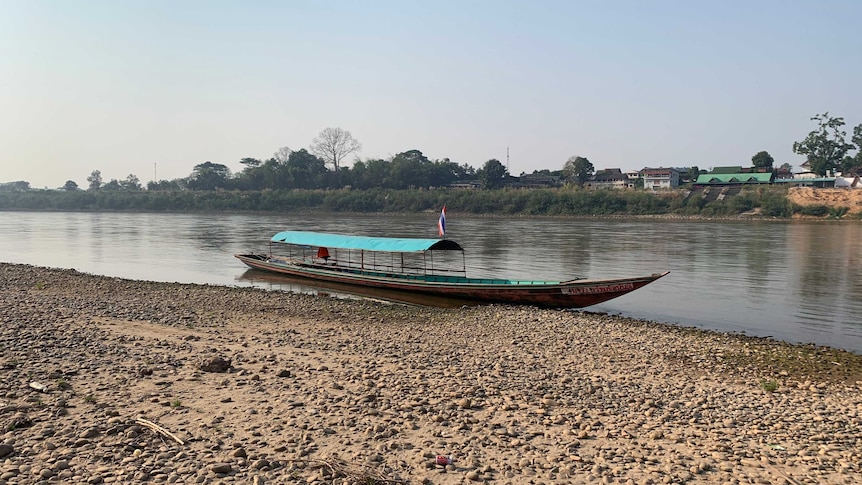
794,281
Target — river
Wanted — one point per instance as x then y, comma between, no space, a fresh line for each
794,281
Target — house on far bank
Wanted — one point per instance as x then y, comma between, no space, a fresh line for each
660,178
783,173
466,184
610,178
738,178
538,181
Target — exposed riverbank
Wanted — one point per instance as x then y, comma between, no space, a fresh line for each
325,389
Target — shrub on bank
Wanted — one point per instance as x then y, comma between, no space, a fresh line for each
568,201
813,210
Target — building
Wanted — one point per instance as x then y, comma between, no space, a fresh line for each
538,181
611,178
465,184
707,179
660,178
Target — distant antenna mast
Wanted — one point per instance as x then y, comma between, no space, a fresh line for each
507,159
155,173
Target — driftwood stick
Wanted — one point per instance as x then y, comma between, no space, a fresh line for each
340,468
158,429
783,475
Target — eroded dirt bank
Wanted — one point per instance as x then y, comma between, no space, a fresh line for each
835,198
320,390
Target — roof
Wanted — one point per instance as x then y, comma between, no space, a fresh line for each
610,174
365,243
727,170
803,180
734,178
659,169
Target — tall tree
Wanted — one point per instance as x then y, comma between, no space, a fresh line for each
282,154
305,170
763,159
410,169
112,186
824,147
578,170
209,176
444,172
132,182
333,144
853,165
95,180
492,174
70,186
857,140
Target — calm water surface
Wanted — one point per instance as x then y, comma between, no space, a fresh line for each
795,281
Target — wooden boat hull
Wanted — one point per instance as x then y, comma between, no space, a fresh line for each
301,284
570,294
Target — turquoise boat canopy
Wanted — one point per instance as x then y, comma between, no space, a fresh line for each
365,243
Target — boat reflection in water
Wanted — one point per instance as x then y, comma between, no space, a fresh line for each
271,281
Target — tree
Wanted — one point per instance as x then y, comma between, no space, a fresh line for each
131,183
168,185
95,180
694,173
112,186
444,172
251,163
857,140
824,147
333,144
70,186
410,169
853,165
304,170
492,174
209,176
369,174
281,155
763,159
18,186
578,170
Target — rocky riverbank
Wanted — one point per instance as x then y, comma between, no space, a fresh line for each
104,380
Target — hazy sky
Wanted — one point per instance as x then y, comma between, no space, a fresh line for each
131,87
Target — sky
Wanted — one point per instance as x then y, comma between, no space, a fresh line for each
153,88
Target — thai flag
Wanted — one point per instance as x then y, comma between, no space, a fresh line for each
441,224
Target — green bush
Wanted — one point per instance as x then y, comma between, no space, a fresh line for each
837,212
813,210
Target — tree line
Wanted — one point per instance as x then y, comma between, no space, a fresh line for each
322,167
768,201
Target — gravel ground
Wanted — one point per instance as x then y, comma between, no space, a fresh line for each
104,380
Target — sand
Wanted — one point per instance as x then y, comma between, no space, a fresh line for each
104,380
841,197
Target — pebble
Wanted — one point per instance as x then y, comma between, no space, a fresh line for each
250,386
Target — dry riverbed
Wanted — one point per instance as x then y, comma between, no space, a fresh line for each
104,380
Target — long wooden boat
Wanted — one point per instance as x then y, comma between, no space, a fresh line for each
423,266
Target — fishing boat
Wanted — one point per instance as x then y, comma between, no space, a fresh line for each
426,266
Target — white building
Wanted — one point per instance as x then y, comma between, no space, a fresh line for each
660,178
